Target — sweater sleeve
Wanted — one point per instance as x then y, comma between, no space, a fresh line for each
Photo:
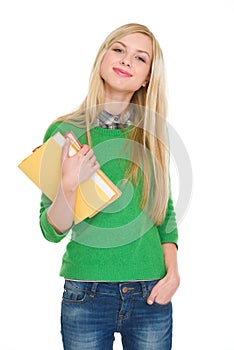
168,230
47,229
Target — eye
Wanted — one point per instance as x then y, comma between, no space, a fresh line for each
117,50
139,58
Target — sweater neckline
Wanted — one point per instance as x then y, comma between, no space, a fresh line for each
104,131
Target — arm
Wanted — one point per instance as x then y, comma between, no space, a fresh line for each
56,218
163,291
61,212
74,170
170,257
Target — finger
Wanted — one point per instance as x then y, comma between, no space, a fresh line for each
96,166
151,299
93,160
152,295
65,150
89,155
84,150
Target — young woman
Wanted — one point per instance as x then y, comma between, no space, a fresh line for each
120,266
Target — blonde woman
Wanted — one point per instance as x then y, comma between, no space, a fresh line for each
120,266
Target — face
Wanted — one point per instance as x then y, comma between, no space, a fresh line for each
126,65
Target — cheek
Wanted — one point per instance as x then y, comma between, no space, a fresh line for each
105,64
103,68
146,75
142,75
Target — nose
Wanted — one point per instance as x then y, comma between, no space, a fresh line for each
126,61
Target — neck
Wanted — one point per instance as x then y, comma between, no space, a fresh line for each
115,108
116,103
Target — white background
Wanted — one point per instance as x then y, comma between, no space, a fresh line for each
47,50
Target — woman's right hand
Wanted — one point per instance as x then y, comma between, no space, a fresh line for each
77,168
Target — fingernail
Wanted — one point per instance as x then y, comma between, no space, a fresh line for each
150,302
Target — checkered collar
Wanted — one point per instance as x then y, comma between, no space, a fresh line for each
107,120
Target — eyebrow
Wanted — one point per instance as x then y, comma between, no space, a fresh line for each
138,50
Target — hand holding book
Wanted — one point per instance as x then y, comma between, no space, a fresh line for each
43,167
77,168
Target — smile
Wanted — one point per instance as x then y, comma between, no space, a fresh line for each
122,73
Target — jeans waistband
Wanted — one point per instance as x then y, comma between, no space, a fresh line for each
112,288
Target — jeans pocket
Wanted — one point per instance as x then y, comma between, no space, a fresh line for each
166,305
74,293
151,285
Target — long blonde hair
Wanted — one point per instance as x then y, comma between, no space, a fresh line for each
151,132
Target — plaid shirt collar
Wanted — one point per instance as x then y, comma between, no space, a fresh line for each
107,120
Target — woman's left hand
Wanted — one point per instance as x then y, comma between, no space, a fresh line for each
163,291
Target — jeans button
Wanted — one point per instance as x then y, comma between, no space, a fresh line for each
125,289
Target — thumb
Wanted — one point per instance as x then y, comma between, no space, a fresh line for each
65,150
152,296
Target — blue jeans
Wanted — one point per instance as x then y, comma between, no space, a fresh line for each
93,311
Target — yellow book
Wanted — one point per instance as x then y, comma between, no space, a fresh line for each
43,167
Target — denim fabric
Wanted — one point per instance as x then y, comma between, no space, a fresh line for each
93,311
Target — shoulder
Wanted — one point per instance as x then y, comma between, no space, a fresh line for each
51,130
62,127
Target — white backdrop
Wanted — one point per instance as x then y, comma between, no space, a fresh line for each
47,50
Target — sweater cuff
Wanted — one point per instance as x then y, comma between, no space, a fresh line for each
48,230
171,240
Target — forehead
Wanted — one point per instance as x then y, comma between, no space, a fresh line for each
138,42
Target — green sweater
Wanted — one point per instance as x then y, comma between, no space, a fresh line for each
120,243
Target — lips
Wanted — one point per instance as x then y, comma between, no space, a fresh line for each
122,73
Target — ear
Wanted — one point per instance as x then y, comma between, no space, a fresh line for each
145,83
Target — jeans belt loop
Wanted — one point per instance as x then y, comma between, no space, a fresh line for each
93,289
144,288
